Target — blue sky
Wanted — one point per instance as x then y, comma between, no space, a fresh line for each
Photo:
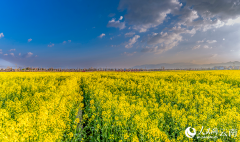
67,34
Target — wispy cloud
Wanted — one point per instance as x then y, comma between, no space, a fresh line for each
12,50
167,40
5,54
102,35
130,34
64,41
207,47
200,41
11,54
69,40
26,55
155,49
196,47
132,41
196,17
211,41
1,35
50,45
29,54
29,39
129,54
116,24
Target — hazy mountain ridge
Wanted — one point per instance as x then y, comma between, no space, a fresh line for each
185,65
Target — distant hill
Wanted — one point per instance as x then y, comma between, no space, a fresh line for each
185,65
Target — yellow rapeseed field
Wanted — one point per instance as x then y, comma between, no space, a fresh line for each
38,106
120,106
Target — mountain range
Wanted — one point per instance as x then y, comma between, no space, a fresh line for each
185,65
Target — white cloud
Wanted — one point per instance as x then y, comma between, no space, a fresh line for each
155,49
29,39
211,41
130,34
116,24
50,45
11,54
214,14
1,35
129,54
12,50
198,46
200,41
207,47
204,17
64,41
69,40
121,17
233,21
29,54
102,35
36,55
142,28
132,41
187,16
154,34
167,40
5,54
19,54
224,9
